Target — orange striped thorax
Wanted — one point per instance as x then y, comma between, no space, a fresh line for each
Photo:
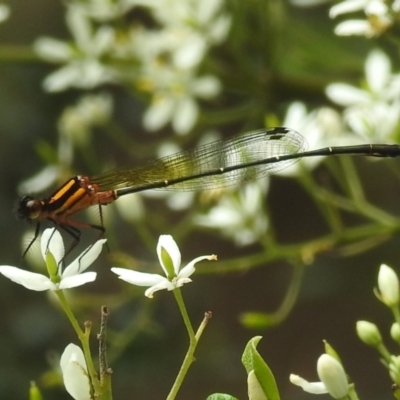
74,195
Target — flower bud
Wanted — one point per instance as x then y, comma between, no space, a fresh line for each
368,333
388,284
332,374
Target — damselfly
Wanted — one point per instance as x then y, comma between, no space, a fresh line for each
214,165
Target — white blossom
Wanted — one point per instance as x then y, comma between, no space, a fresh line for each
83,67
332,375
378,17
170,261
371,112
72,276
388,285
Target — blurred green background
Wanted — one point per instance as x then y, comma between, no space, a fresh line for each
284,54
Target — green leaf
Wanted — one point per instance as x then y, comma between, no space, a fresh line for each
252,361
221,396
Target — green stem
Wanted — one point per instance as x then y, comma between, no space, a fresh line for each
396,313
185,316
83,336
305,251
193,341
383,351
289,301
352,392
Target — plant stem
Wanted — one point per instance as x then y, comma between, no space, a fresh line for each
193,341
83,336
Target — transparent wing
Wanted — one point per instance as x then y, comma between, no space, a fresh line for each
203,165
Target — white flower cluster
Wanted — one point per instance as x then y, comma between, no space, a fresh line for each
371,112
379,15
162,61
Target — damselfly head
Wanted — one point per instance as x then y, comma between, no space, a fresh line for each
29,208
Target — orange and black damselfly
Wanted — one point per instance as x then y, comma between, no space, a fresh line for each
214,165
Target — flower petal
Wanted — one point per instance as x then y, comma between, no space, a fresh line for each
206,87
159,112
179,282
30,280
185,115
138,278
346,95
53,50
310,387
165,284
77,280
52,241
345,7
189,268
74,352
84,260
354,27
377,71
62,78
168,243
74,370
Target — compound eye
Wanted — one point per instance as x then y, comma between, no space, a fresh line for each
29,208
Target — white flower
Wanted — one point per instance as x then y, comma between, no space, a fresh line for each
170,260
332,375
373,111
169,58
377,13
205,16
72,276
239,215
74,372
83,67
174,97
388,285
321,127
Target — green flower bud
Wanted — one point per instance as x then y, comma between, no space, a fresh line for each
368,333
